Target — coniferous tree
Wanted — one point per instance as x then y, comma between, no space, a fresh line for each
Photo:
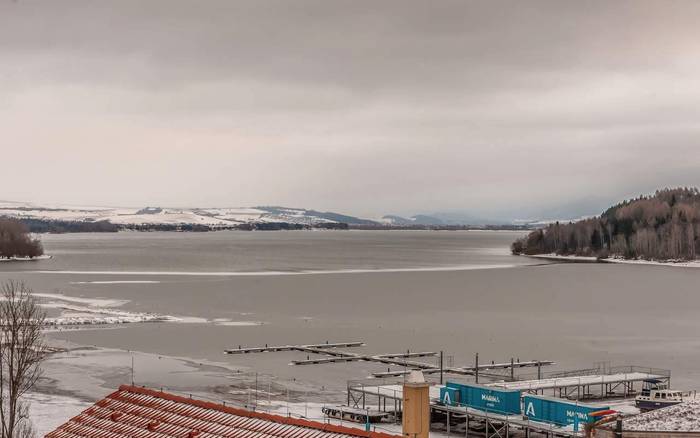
664,226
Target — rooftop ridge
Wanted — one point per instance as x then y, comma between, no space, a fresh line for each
275,418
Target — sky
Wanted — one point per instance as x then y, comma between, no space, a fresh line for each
502,109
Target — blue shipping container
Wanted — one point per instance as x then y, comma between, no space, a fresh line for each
557,411
501,401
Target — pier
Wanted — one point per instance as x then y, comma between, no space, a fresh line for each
334,355
312,348
618,382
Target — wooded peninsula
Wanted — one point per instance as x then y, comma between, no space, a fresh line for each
664,226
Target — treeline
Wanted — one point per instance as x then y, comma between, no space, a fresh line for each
15,240
664,226
278,226
59,226
421,227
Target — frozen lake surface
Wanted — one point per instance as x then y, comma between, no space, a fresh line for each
461,292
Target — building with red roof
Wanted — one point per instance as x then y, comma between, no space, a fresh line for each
134,412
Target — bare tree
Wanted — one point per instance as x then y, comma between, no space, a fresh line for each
21,352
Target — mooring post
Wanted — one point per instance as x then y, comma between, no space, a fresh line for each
466,426
476,368
539,370
447,424
441,367
486,423
618,428
512,370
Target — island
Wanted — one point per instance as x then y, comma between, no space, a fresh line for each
16,243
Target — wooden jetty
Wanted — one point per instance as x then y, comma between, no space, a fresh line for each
330,349
619,382
312,348
470,371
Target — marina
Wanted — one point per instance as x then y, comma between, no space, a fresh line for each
396,359
490,400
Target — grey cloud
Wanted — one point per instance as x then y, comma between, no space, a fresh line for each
494,107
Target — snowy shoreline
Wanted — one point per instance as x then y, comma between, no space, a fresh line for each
25,259
582,259
78,375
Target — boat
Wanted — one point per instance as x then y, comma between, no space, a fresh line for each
353,414
656,394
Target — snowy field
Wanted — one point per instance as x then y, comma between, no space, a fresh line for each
160,216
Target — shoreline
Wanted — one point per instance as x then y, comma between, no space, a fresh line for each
472,267
77,375
26,259
582,259
350,229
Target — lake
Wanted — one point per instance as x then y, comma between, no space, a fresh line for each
461,292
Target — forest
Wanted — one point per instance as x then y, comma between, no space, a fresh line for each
663,226
15,240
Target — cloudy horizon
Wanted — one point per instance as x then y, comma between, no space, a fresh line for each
498,109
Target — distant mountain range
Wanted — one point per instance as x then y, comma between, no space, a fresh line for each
211,217
261,217
441,219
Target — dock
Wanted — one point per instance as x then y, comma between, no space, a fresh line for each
471,370
311,348
474,422
598,384
334,355
383,391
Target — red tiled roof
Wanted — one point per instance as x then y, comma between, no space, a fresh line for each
133,412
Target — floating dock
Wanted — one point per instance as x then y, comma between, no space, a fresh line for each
330,349
312,348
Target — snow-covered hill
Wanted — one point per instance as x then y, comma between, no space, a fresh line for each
212,217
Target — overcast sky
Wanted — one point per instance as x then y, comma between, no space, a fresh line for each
517,108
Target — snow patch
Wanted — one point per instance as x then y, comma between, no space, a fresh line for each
48,411
117,282
574,258
266,273
25,259
240,323
683,417
94,302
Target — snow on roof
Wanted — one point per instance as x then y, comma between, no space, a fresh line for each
145,413
683,417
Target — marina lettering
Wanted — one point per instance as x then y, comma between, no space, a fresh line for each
447,399
530,411
581,415
490,398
